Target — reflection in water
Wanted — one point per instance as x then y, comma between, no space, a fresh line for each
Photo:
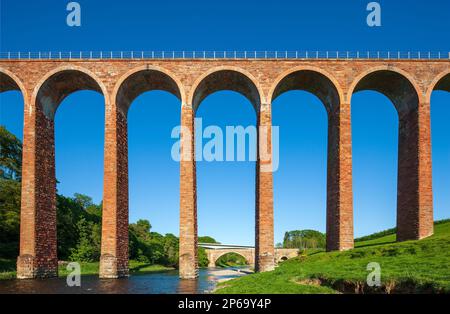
188,286
166,282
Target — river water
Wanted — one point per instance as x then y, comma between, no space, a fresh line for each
166,282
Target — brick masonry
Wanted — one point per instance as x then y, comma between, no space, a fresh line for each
249,255
45,83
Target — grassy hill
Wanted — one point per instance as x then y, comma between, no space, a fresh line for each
408,267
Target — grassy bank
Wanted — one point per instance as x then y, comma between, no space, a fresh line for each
412,266
8,271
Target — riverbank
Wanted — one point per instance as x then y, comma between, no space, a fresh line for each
406,267
7,268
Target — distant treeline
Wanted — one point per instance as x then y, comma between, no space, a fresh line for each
391,231
303,239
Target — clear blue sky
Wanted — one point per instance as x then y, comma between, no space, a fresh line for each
226,190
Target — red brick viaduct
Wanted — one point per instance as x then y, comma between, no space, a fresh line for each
45,83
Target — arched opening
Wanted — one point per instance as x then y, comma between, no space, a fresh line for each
150,99
283,259
375,171
11,129
73,103
225,102
375,160
231,259
440,128
301,104
11,105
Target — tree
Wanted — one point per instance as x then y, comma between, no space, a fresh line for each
10,155
84,200
304,239
207,239
9,218
86,250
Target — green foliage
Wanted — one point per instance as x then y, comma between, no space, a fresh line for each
231,259
152,247
10,176
206,239
9,218
411,266
10,155
87,248
304,239
380,234
202,257
78,228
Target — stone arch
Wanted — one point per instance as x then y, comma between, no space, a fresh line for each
226,78
59,83
389,81
441,82
245,255
9,82
146,78
310,79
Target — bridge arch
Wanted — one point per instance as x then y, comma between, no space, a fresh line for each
311,79
329,92
396,84
9,82
59,83
247,257
226,78
143,79
414,193
215,254
440,82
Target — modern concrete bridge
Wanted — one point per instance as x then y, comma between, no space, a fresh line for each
45,83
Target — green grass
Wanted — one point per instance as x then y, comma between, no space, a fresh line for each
412,266
8,269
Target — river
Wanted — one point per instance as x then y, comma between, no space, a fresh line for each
166,282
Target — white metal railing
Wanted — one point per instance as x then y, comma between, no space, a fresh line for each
311,54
